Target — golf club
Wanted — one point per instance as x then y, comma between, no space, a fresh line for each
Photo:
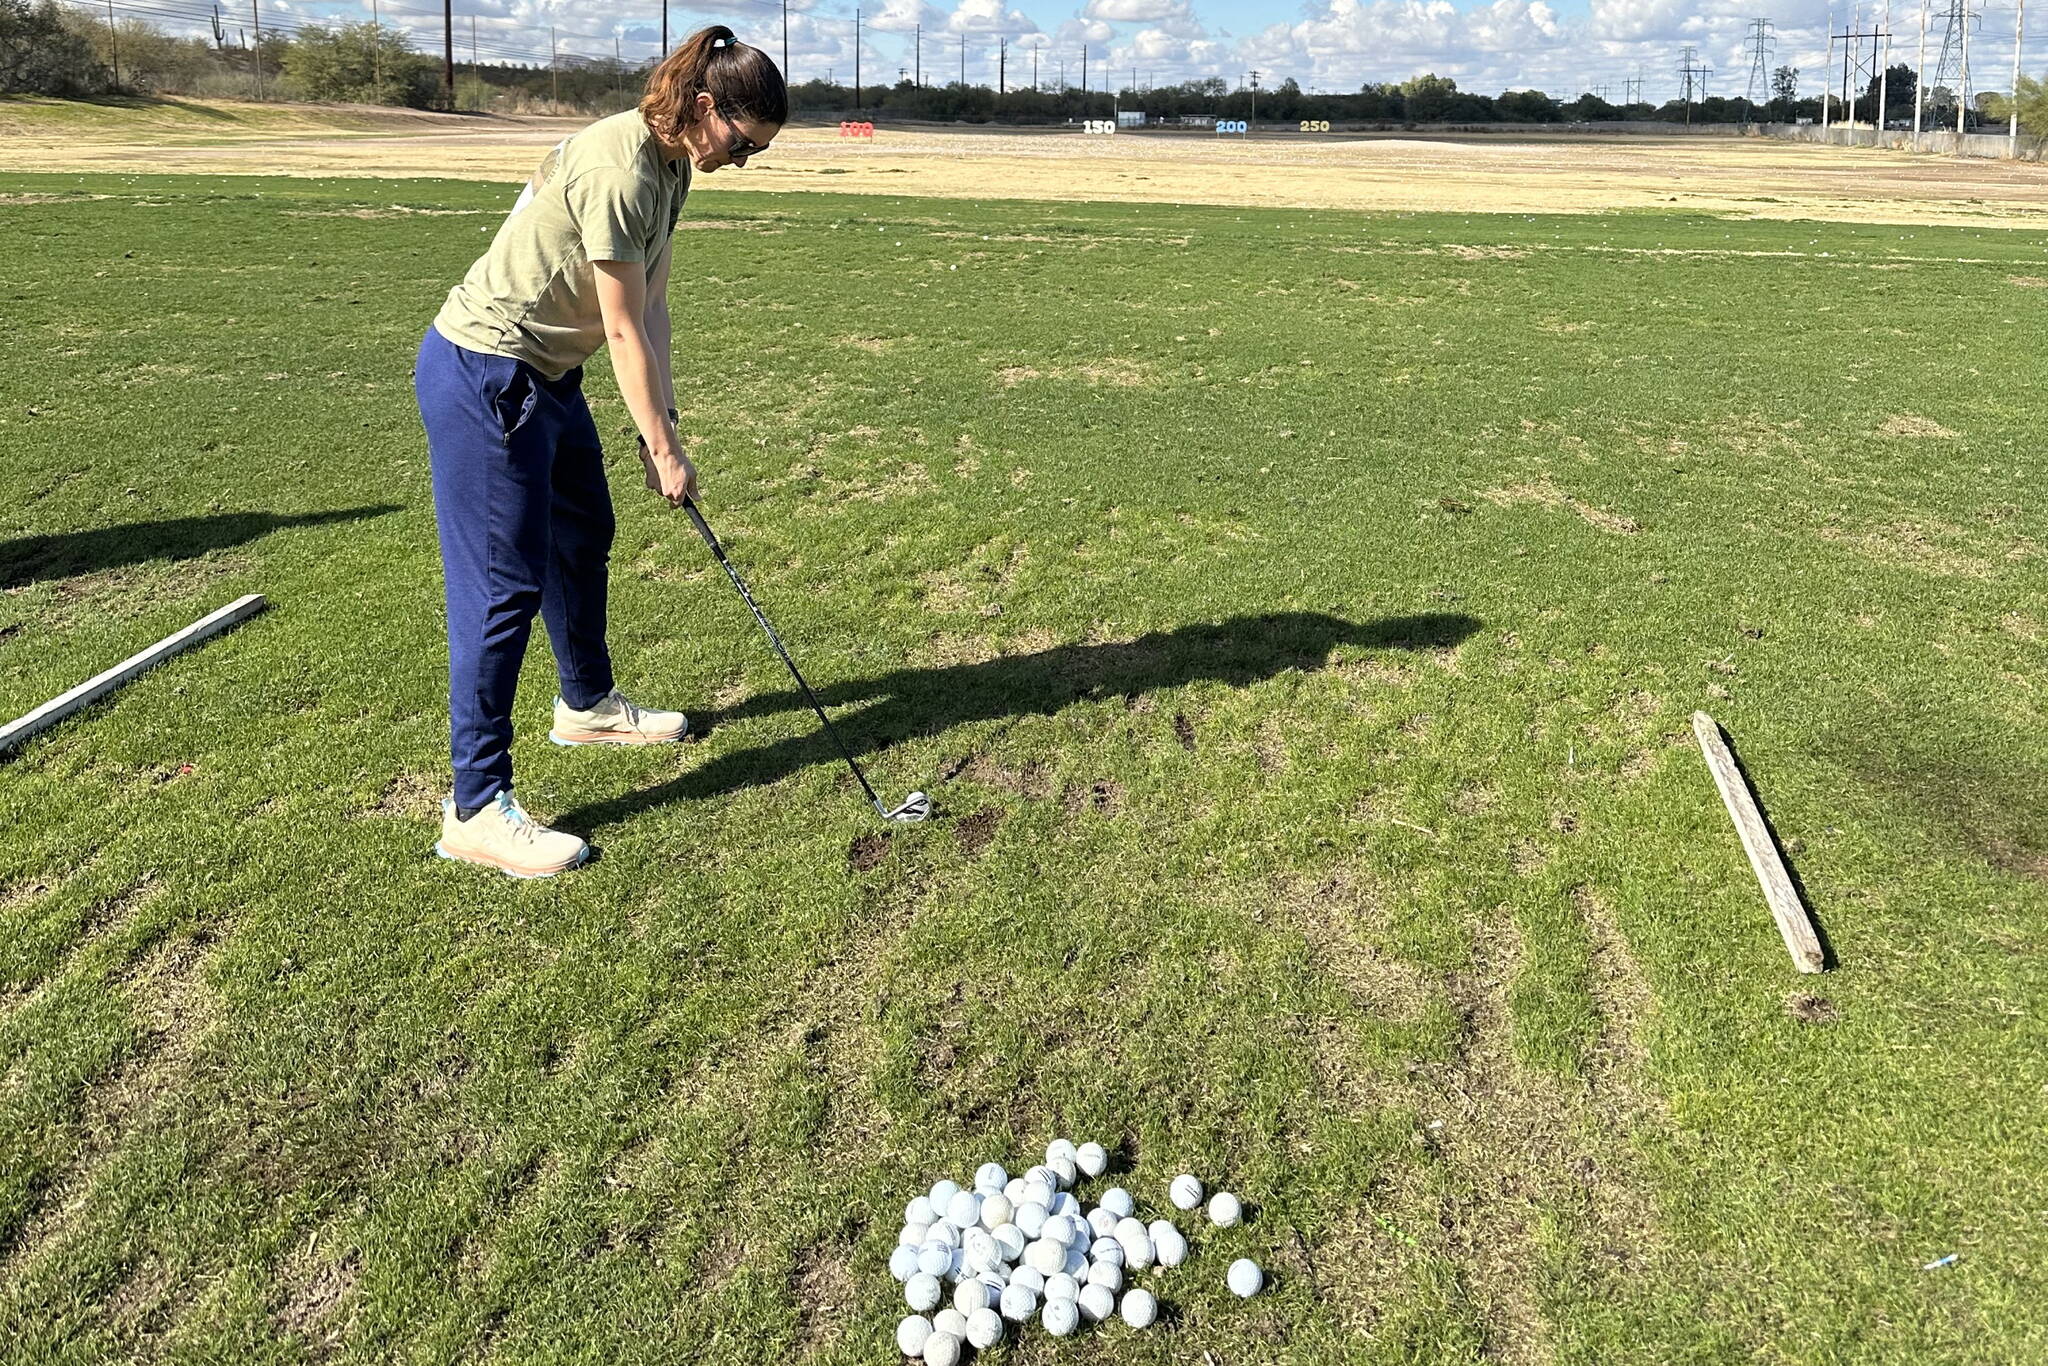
916,806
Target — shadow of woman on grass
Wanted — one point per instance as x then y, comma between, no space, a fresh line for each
919,702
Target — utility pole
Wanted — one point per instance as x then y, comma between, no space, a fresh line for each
1002,67
1920,74
1853,69
1034,72
1884,74
856,61
554,65
258,13
785,38
1255,101
918,69
664,28
1084,76
2019,41
1827,94
114,37
963,61
376,57
1690,68
472,44
448,50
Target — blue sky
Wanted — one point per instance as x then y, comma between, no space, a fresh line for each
1559,46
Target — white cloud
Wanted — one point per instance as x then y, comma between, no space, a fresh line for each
902,16
989,17
1130,11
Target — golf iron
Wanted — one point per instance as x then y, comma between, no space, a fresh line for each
916,806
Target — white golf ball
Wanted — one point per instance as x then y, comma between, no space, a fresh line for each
1066,1169
1061,1147
1029,1279
1097,1302
1092,1159
914,1235
984,1328
1107,1250
903,1263
990,1176
1013,1190
950,1322
911,1335
1061,1317
978,1249
1140,1308
935,1261
1139,1252
1061,1286
1065,1203
942,1349
1030,1218
1186,1192
1010,1241
1169,1248
1102,1221
919,1211
1019,1304
1059,1229
963,1210
1106,1273
942,1194
973,1295
1246,1278
921,1292
996,1210
1118,1201
943,1234
1037,1192
1077,1262
1045,1256
1224,1209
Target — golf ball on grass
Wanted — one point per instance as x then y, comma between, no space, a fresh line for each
942,1194
1097,1302
990,1176
922,1292
1118,1202
964,1210
1066,1169
1102,1221
996,1210
1169,1248
1061,1147
919,1211
973,1295
984,1328
950,1323
1030,1216
903,1263
1046,1256
1106,1273
1186,1192
1245,1278
1061,1317
1062,1287
942,1349
912,1333
1140,1308
1224,1209
1029,1279
914,1235
1107,1250
1092,1159
1010,1241
936,1259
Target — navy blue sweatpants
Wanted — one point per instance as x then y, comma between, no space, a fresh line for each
526,525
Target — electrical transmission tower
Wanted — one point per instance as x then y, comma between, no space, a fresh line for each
1690,70
1760,45
1952,72
1632,90
1859,72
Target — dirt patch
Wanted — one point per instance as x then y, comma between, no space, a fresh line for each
977,829
1033,780
824,1292
1343,921
409,796
1104,796
2027,281
1808,1008
1910,545
312,1311
1545,493
1906,424
867,852
1184,731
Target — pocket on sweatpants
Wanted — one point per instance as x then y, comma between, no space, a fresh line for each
513,403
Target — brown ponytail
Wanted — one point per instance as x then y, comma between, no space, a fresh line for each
741,81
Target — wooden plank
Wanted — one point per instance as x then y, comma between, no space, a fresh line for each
1801,939
93,689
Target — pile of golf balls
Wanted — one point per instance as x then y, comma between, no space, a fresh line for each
982,1262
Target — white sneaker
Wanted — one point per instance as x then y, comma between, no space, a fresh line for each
615,721
504,837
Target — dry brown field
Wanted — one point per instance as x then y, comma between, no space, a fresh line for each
1474,173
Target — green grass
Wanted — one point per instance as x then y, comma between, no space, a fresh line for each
1297,617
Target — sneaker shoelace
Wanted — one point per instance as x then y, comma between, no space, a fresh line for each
521,825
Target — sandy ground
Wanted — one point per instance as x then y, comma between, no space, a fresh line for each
1480,173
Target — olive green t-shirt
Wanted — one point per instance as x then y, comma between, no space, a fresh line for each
605,194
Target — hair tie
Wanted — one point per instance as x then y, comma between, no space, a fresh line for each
723,42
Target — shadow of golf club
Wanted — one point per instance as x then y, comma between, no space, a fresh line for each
917,702
35,558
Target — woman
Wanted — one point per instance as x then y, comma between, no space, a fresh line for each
520,498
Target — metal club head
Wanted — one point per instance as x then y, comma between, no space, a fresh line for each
916,807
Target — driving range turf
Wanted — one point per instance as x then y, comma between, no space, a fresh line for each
1296,618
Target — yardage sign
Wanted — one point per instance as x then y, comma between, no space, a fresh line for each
856,130
1232,126
1099,126
1315,125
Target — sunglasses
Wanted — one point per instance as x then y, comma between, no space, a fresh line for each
741,146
